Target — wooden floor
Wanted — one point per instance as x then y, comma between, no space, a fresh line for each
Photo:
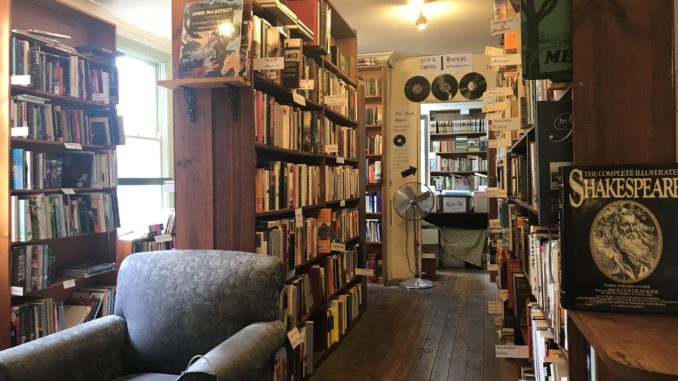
440,334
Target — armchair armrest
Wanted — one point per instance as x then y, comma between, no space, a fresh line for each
247,355
89,351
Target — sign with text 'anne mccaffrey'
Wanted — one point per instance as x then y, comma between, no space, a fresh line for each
619,245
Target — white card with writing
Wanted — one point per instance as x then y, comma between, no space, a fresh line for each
491,192
511,351
294,336
503,294
364,272
497,106
502,26
306,84
163,238
17,291
69,283
492,51
331,148
272,63
338,246
340,160
298,217
337,100
505,60
495,307
299,99
67,191
20,132
74,146
21,80
505,124
342,203
498,92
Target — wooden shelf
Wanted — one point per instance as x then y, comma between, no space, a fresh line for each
58,99
283,212
373,243
19,192
281,94
64,51
204,83
339,119
373,215
373,97
434,173
373,156
345,287
450,134
287,153
52,240
41,144
334,69
373,184
340,28
59,284
524,204
374,126
521,144
350,162
461,153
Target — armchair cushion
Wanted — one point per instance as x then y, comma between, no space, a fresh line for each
85,352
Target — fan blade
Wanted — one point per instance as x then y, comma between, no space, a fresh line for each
402,208
424,196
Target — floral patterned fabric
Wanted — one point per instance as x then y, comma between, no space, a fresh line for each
148,377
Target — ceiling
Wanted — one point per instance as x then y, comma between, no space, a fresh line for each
454,26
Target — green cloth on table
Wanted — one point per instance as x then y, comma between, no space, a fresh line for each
465,244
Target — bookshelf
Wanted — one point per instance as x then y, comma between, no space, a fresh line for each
267,155
50,156
374,79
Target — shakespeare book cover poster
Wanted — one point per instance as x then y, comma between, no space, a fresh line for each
619,239
210,39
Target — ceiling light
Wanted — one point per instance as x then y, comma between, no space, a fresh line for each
421,21
416,3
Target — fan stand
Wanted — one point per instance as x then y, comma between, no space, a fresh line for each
417,282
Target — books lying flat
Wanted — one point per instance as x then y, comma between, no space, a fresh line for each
86,270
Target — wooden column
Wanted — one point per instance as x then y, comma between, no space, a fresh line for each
5,169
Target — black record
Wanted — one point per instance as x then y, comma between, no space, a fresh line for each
417,88
472,86
444,87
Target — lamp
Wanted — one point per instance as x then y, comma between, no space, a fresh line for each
421,20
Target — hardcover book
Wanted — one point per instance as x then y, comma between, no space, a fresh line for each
618,242
210,39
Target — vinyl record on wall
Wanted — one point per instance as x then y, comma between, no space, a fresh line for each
444,87
417,88
472,86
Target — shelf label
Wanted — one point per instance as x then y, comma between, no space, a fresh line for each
337,100
17,291
338,246
503,294
505,124
69,284
306,84
498,321
492,144
342,203
511,351
75,146
99,98
495,307
271,63
295,337
331,148
505,60
67,191
494,115
20,132
498,92
299,217
497,106
498,27
168,186
492,267
21,80
299,99
364,272
163,238
340,160
492,51
491,192
555,359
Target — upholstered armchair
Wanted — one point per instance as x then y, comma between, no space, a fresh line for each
170,306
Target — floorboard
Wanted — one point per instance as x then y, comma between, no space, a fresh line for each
444,333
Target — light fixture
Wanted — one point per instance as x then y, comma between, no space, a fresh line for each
421,20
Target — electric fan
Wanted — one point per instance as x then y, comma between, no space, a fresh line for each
414,201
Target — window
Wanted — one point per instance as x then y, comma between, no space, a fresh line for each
144,160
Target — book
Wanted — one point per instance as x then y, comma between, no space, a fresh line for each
546,39
210,39
618,246
75,314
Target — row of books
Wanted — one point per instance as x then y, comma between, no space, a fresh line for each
375,264
285,126
77,169
373,87
373,201
548,359
281,185
41,317
32,268
470,182
339,95
461,164
35,65
374,144
343,311
342,182
42,216
141,246
344,224
460,144
460,125
341,61
373,230
339,140
317,16
37,118
374,171
373,115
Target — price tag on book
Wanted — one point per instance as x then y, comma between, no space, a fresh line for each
511,351
492,267
272,63
306,84
298,217
20,132
69,284
498,92
495,307
295,337
331,148
505,124
503,294
21,80
340,160
299,99
338,246
75,146
17,291
337,100
342,203
498,27
505,60
492,51
163,238
364,272
67,191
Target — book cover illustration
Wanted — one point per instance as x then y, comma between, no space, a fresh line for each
210,39
546,39
618,250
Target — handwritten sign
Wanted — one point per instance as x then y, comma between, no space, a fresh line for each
494,115
497,106
505,124
498,92
338,246
74,146
498,27
342,203
67,191
511,351
461,63
163,238
306,84
364,272
294,336
429,64
271,63
492,267
331,148
20,132
337,100
69,284
495,307
491,192
492,51
298,217
340,160
17,291
499,321
503,294
299,99
505,60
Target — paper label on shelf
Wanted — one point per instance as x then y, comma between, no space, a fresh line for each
163,238
465,111
17,291
100,98
342,203
492,144
505,142
67,191
494,115
505,124
555,360
505,60
364,272
492,267
168,187
337,100
331,148
298,217
21,80
271,63
340,160
69,283
295,337
498,92
503,294
306,84
75,146
498,321
299,99
492,51
498,27
511,351
491,192
20,132
338,246
495,307
497,106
